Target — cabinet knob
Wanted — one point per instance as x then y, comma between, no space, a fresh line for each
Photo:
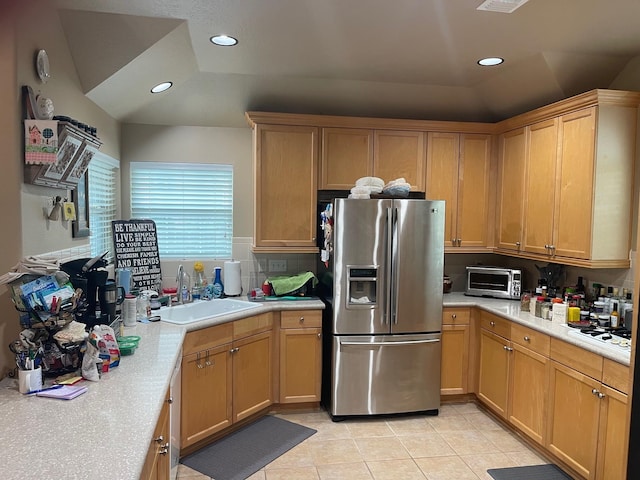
552,247
594,391
234,350
492,323
301,319
527,339
601,395
159,439
454,241
170,400
164,449
508,349
459,242
517,244
454,316
546,247
319,335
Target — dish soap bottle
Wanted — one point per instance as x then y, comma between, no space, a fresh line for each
218,287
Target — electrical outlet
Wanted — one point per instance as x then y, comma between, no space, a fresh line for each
277,266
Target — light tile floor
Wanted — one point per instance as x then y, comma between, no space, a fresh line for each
461,443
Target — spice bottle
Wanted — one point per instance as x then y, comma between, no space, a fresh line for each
615,317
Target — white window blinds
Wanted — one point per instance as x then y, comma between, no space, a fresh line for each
191,204
103,195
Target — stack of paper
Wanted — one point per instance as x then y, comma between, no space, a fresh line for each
65,392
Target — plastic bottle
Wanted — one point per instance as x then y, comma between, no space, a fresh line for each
218,287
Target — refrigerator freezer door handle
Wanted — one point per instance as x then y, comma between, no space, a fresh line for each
406,342
388,284
393,290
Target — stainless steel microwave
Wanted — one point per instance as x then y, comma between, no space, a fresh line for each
495,282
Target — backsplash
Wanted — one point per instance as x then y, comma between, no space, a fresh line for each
255,268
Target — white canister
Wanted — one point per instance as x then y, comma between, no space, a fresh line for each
129,310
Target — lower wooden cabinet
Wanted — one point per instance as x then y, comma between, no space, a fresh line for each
612,458
494,368
206,394
573,418
587,418
529,381
225,380
252,374
454,369
300,356
158,463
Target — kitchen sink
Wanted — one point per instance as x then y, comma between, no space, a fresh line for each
204,310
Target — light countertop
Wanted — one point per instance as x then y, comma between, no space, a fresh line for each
510,309
105,432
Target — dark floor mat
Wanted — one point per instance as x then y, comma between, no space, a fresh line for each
532,472
243,452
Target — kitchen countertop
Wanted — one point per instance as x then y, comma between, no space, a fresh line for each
106,431
510,309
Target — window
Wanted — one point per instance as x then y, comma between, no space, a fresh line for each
104,172
191,204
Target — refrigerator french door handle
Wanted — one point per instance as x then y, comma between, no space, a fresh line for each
394,265
388,278
406,342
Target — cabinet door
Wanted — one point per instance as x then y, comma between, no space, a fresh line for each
206,394
157,462
493,379
528,392
346,155
300,364
400,154
540,186
573,418
442,178
285,211
572,218
252,375
511,173
473,190
454,369
612,457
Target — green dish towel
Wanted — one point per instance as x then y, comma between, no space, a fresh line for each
290,283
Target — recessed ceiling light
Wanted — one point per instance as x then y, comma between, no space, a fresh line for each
490,61
223,40
161,87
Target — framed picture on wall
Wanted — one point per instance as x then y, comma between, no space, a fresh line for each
80,197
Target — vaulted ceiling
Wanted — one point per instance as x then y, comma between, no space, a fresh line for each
400,59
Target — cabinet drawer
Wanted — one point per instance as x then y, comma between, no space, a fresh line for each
205,338
532,339
252,325
456,316
577,358
493,323
615,375
300,318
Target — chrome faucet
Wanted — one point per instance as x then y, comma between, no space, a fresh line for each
180,281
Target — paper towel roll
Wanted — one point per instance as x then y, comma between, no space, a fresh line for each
232,278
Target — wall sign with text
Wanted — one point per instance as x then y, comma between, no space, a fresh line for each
136,248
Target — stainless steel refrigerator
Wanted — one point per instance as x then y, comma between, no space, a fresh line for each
387,306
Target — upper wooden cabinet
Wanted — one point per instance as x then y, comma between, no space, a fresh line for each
286,162
511,178
458,167
346,155
350,153
577,181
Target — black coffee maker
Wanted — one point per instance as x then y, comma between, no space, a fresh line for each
90,275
